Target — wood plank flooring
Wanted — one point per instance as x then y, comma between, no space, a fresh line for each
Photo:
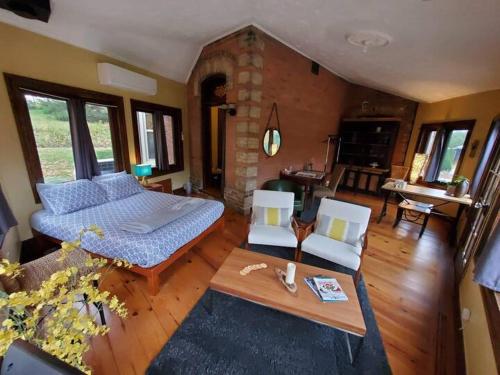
407,281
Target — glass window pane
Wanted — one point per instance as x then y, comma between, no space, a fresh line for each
428,147
151,145
50,121
146,137
169,134
100,132
452,152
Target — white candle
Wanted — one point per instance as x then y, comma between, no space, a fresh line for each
290,273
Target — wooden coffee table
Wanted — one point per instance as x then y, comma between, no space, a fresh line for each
262,287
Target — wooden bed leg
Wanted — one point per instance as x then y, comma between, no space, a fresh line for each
153,283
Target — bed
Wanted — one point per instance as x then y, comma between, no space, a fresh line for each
151,253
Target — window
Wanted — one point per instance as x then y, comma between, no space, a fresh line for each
158,136
445,145
51,128
97,117
65,129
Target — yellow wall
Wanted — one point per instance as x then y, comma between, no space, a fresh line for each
482,107
479,357
28,54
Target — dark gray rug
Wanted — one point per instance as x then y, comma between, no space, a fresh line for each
227,335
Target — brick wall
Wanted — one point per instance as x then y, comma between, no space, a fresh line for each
239,57
362,102
259,71
309,108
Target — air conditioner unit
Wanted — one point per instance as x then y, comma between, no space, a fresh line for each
114,76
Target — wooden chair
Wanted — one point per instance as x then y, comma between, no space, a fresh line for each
414,212
332,181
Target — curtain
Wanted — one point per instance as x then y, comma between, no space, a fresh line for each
7,219
487,272
432,172
160,142
86,165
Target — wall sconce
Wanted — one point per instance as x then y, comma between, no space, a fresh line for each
416,167
230,108
473,148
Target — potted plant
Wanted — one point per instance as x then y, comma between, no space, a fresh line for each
50,317
458,187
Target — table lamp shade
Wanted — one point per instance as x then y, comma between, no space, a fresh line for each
143,170
416,168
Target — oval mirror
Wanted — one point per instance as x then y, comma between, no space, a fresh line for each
272,141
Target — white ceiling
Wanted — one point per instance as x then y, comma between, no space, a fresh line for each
440,48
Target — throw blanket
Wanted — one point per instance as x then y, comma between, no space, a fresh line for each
161,217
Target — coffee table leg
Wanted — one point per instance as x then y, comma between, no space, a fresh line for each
353,356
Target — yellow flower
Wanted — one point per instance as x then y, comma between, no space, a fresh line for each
51,317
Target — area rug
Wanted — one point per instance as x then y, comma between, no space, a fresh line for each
227,335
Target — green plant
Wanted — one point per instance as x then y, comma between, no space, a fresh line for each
51,317
457,180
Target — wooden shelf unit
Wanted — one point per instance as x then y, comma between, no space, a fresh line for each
364,141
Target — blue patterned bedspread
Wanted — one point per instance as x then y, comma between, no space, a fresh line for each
145,250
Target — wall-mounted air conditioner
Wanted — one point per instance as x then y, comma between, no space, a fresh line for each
114,76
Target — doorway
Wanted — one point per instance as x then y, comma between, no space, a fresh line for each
213,122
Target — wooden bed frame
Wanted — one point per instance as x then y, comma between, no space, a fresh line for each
152,274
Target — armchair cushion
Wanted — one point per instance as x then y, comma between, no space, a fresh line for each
272,235
271,216
335,251
339,229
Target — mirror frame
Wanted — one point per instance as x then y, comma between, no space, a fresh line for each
281,141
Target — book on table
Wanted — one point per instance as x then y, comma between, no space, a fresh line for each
327,289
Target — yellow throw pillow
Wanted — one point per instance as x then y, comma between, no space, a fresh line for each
339,229
271,216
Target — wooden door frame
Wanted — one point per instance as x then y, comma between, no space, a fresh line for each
207,102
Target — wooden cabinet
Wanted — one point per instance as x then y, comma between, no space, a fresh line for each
368,142
366,148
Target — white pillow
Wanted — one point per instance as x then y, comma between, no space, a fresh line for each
70,196
108,175
120,187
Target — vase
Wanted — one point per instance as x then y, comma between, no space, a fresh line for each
450,190
462,188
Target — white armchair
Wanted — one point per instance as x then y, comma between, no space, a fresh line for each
343,253
273,235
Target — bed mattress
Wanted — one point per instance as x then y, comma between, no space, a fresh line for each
145,250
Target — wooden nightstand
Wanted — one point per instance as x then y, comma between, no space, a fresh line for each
154,187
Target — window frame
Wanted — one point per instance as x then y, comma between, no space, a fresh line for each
18,86
449,127
176,115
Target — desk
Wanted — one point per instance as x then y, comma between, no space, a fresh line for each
423,191
306,178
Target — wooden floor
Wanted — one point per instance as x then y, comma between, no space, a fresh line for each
408,283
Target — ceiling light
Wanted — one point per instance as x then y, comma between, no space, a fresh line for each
368,39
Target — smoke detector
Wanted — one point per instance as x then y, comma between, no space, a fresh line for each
368,39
